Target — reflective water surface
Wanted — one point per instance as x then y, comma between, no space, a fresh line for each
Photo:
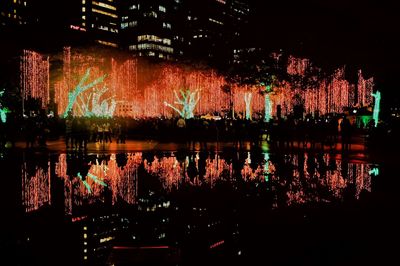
182,208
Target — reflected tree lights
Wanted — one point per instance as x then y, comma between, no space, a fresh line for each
36,188
293,179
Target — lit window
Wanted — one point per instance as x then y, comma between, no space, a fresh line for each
95,10
103,5
157,47
85,250
85,236
167,42
85,257
152,53
162,9
166,25
85,228
107,43
151,14
133,24
133,7
216,21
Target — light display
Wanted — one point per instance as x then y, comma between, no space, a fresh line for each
126,89
36,188
85,183
3,110
267,103
188,101
365,89
247,99
121,180
374,171
34,77
377,107
298,178
77,94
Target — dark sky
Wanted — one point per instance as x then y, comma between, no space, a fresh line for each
360,34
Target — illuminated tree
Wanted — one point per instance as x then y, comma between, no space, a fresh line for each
188,102
77,93
267,102
101,109
3,110
247,99
377,107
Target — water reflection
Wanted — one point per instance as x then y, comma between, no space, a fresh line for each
289,179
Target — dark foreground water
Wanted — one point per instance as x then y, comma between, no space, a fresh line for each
198,208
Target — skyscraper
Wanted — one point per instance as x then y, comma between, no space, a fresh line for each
13,12
174,29
100,19
214,28
149,28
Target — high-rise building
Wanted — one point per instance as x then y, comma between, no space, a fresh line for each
214,28
202,30
237,20
149,28
13,12
100,19
205,22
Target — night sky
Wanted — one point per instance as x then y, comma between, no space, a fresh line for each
358,34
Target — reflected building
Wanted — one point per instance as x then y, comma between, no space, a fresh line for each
94,236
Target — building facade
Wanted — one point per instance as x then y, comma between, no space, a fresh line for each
14,12
100,19
148,28
214,29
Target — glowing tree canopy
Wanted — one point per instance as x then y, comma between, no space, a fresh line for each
377,107
188,102
76,95
141,90
35,77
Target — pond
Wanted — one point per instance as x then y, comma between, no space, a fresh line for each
184,207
